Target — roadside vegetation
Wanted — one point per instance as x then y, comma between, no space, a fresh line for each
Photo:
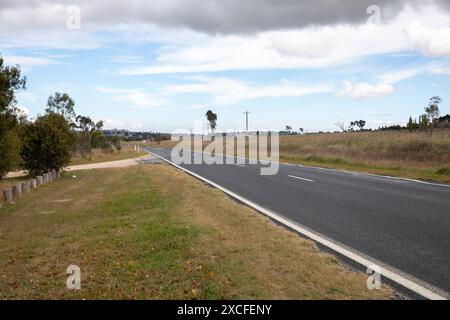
152,232
53,138
420,150
98,155
416,154
400,153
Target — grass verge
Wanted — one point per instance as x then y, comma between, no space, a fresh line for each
437,175
152,232
98,156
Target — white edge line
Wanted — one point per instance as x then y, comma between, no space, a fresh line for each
347,171
300,178
377,176
352,172
417,288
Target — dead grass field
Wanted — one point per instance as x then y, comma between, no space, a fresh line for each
417,155
152,232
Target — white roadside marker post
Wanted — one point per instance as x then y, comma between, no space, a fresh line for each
8,195
18,190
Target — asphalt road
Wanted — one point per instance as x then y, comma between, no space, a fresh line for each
401,223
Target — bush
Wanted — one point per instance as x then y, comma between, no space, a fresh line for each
98,139
107,147
443,171
47,143
9,153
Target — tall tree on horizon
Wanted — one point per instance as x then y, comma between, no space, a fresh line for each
212,119
432,110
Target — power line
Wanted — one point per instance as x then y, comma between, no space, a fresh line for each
393,67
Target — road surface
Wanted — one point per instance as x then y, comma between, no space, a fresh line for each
401,223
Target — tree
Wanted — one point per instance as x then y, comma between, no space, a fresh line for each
107,146
410,124
444,121
424,122
85,126
47,143
288,128
10,81
63,104
98,139
341,125
359,123
116,142
212,119
432,110
9,152
99,125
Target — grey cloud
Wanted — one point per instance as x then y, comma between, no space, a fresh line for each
225,16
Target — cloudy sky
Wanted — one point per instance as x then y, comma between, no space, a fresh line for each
160,64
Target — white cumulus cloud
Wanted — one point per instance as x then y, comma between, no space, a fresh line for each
227,91
137,97
365,90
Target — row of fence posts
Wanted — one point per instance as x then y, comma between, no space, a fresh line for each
20,189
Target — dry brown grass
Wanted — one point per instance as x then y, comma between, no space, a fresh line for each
417,149
417,155
99,156
151,232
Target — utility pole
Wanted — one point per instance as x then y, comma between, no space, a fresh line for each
246,120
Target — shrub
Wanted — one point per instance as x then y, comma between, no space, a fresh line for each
107,147
9,153
443,171
47,143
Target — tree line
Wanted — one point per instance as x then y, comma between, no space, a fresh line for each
430,119
427,121
49,141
